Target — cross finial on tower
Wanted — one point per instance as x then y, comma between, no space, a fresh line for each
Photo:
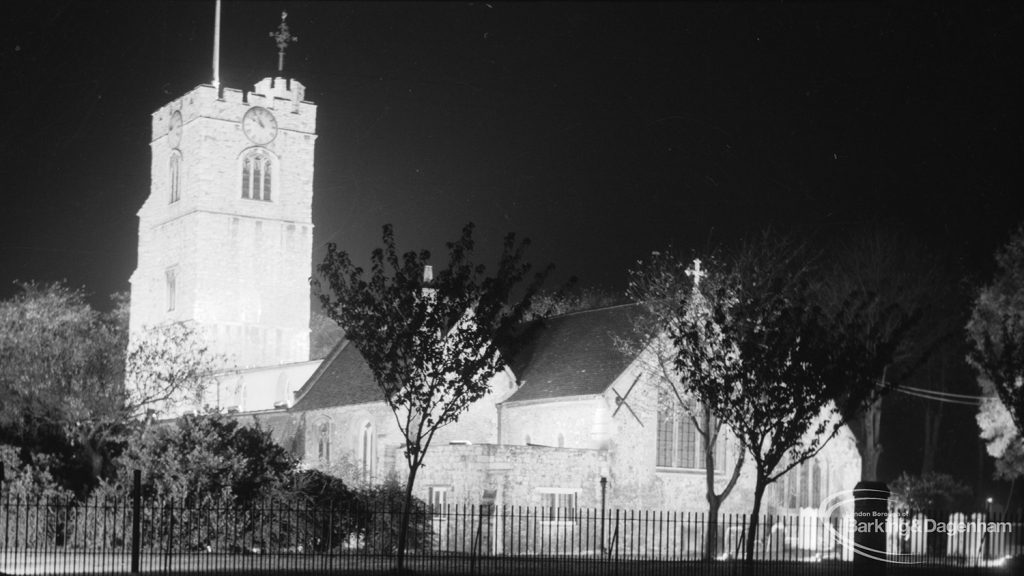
283,37
696,273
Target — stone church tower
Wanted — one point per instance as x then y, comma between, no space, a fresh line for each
225,237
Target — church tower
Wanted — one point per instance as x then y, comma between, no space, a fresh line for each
225,236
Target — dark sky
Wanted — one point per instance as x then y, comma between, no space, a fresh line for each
600,130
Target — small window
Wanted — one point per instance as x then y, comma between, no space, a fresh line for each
437,496
174,177
368,452
257,176
561,440
171,282
323,443
558,504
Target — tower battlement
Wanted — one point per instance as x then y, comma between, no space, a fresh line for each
278,94
275,92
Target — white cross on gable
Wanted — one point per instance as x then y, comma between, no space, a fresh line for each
696,273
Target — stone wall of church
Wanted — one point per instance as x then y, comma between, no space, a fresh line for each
479,423
285,428
250,279
344,427
520,474
561,423
242,265
627,425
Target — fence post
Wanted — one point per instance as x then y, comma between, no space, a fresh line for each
136,519
604,486
170,534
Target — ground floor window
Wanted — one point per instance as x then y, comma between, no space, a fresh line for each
437,496
558,503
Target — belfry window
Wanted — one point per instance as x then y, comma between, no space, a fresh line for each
174,177
257,176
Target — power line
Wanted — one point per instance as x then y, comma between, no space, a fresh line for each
943,393
945,397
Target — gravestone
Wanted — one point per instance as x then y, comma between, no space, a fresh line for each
956,542
919,535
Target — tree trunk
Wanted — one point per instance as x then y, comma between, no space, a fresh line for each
712,436
755,517
714,502
711,537
932,426
403,529
870,442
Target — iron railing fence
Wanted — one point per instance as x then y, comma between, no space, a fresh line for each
126,534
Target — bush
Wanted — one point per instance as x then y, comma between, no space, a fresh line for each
381,516
933,491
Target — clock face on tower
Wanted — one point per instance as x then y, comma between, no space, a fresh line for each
259,125
174,129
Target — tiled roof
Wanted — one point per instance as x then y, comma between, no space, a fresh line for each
573,354
569,355
343,379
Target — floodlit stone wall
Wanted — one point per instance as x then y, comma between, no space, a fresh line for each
624,423
241,266
520,475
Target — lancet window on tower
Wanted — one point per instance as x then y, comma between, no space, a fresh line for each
257,176
171,288
174,175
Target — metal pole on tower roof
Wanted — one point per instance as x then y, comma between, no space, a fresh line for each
216,47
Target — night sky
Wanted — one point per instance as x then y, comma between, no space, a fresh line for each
601,131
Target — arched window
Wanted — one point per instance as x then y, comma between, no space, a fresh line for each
816,485
678,443
527,440
368,452
561,440
174,177
792,489
805,485
257,176
323,442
